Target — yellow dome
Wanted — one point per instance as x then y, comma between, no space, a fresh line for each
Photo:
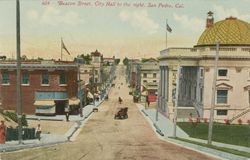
230,31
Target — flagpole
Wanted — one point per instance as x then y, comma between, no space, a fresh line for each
61,48
166,34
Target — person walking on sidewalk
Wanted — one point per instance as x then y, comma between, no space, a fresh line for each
3,131
38,132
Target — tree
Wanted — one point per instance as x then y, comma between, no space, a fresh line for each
87,59
117,61
125,61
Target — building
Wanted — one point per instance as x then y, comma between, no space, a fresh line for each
149,79
196,70
109,61
47,87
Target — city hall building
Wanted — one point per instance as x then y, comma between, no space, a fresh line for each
47,87
196,68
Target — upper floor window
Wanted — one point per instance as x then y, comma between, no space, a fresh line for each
45,79
96,72
154,75
145,81
201,72
222,72
222,96
144,75
5,78
96,80
154,81
62,79
25,78
85,71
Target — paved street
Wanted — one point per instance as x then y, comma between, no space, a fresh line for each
104,138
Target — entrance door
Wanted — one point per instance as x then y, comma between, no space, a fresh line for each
60,107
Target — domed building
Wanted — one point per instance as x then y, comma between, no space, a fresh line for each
196,73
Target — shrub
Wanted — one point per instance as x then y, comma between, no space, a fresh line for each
198,120
190,120
205,120
248,122
13,117
239,121
227,121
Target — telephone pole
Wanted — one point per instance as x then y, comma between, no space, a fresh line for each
210,127
18,83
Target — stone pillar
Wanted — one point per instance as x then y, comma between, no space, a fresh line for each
165,91
170,88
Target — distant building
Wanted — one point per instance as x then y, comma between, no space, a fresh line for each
109,61
149,79
196,67
48,87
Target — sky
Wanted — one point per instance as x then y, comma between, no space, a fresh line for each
131,28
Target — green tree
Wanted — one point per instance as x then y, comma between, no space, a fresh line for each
125,61
117,61
87,58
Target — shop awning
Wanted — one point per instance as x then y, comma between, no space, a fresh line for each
144,93
90,95
44,103
74,101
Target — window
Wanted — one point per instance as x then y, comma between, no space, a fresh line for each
201,72
201,94
96,72
85,71
5,78
25,78
62,79
154,81
96,80
144,75
221,112
45,79
144,81
222,72
222,96
154,75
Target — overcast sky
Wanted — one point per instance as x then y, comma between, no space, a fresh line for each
132,31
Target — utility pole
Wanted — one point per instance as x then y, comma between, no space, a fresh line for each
210,127
18,83
80,88
93,83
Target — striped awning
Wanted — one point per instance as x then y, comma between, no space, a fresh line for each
74,101
44,103
90,95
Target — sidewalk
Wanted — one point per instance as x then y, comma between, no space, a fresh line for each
165,128
50,139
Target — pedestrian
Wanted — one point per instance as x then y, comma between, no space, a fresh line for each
120,100
67,113
38,132
3,130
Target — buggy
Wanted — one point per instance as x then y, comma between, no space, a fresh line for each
122,113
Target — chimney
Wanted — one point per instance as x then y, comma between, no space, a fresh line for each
210,19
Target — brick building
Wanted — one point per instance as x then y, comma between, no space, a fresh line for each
48,87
